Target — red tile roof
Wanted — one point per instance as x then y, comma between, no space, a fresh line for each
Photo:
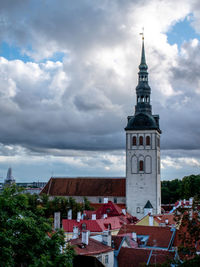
85,187
110,209
117,241
96,206
131,257
161,218
99,225
94,247
158,236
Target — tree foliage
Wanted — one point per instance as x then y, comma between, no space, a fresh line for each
26,236
171,191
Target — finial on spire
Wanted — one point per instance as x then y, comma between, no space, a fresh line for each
142,33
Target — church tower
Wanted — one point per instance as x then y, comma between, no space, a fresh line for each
143,189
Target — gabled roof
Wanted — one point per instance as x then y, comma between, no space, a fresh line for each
133,257
158,236
168,219
130,257
94,247
110,209
99,225
85,187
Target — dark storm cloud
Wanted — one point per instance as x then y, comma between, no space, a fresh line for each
181,115
82,104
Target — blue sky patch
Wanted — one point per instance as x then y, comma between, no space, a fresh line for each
12,52
182,31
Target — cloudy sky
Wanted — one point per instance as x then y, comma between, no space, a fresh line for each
68,72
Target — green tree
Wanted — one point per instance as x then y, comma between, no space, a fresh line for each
26,236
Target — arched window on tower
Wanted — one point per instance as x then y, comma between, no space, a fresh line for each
148,141
134,141
142,98
141,165
147,99
141,141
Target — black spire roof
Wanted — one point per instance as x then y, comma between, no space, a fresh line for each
148,205
143,118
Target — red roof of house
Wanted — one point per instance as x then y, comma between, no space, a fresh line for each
130,257
110,209
158,236
162,218
96,206
85,187
98,225
94,247
133,257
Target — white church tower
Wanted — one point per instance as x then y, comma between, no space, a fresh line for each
143,189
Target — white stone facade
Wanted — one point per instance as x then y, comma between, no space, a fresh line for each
143,185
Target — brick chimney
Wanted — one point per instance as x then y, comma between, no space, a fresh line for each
106,238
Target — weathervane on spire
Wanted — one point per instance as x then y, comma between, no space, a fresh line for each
142,33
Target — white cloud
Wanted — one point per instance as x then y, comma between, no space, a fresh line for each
82,103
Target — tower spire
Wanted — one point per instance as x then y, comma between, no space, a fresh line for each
143,89
143,59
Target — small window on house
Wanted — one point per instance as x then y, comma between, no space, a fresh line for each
134,141
84,227
148,141
138,210
106,259
100,200
141,141
141,165
115,200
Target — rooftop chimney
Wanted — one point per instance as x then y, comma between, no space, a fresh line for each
75,232
190,201
85,237
166,221
150,220
69,214
93,217
134,236
78,216
105,200
105,216
106,238
56,220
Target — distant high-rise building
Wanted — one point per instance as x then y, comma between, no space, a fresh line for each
9,178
